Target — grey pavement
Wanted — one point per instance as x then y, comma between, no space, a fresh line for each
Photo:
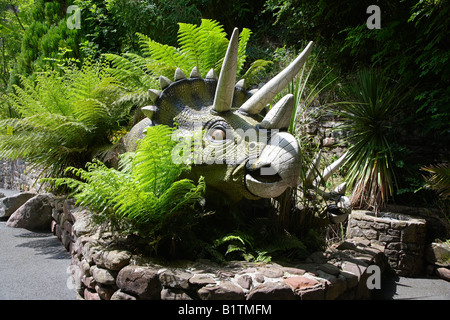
33,266
421,288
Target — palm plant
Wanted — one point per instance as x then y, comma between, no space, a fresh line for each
370,121
65,119
202,46
439,179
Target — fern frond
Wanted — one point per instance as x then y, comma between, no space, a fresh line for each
244,36
257,68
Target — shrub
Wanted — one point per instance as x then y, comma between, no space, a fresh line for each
65,119
369,118
146,197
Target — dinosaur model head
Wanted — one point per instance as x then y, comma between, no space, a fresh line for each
239,151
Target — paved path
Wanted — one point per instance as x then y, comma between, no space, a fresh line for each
401,288
33,266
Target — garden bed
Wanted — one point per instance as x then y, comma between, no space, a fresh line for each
101,270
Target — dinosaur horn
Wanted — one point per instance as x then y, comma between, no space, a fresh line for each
227,78
330,170
279,116
256,103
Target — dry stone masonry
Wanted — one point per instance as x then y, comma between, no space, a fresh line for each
401,236
104,271
18,175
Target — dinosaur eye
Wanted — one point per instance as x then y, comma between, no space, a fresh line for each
218,135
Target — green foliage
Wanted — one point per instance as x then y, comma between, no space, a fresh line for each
46,37
412,45
146,197
370,118
439,179
65,120
202,46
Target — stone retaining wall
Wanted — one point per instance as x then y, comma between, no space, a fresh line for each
401,236
18,175
103,271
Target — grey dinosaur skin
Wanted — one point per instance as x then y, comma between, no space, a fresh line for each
243,153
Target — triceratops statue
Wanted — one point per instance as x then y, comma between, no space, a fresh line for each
242,153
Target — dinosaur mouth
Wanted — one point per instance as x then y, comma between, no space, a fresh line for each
262,175
261,184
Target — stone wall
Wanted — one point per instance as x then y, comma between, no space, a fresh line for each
327,135
101,270
18,175
401,236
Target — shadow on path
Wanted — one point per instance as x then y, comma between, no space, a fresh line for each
44,244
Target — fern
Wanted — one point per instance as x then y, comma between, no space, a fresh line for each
202,46
146,196
65,118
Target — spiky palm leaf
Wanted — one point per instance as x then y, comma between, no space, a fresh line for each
368,119
439,179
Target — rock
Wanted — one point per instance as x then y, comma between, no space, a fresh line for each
272,291
104,292
119,295
10,204
356,269
438,254
335,287
175,279
35,214
245,281
296,271
82,223
174,294
259,278
315,293
142,282
112,259
2,195
271,272
225,290
443,273
89,282
201,279
330,269
299,283
90,295
103,276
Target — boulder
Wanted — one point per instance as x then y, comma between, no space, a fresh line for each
443,273
301,282
225,290
142,282
112,259
272,291
10,204
35,214
103,276
438,253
